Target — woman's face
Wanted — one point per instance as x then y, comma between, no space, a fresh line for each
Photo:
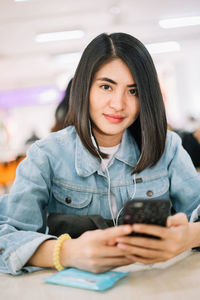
113,102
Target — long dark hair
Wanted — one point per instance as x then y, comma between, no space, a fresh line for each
149,130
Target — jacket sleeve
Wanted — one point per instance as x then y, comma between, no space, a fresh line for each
22,213
184,179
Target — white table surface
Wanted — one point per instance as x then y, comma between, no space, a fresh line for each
178,279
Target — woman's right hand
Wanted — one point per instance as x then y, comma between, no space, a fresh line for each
94,251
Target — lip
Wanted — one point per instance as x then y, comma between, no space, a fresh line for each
114,118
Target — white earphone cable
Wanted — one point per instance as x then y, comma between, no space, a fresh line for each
109,189
115,222
132,196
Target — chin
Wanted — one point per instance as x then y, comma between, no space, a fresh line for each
112,132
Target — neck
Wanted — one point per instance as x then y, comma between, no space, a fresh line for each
107,141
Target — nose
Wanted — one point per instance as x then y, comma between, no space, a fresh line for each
117,101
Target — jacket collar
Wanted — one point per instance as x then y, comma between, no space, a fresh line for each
86,164
128,151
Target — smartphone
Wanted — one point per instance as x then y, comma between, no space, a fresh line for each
146,211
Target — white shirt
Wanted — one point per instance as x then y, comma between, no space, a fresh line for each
110,151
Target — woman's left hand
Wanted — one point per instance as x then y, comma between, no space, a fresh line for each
177,237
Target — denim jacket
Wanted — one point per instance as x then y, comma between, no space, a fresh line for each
59,175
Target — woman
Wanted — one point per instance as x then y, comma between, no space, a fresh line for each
115,147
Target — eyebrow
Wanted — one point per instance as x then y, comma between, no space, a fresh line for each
113,82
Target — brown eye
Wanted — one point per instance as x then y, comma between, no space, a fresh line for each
133,92
105,86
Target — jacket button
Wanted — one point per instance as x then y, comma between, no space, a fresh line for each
68,200
149,193
2,250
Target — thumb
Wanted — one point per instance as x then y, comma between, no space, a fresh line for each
177,220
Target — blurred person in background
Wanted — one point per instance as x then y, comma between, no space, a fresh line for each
115,147
62,109
197,135
191,143
8,167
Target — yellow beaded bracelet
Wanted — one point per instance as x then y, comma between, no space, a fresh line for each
56,251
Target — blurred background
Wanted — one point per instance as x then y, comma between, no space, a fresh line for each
41,44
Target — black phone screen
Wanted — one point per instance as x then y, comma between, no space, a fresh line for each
146,211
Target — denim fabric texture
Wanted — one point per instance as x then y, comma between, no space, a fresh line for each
59,175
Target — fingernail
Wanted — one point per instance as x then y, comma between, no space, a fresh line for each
127,228
121,246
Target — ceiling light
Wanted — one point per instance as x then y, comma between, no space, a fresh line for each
23,0
180,22
59,36
163,47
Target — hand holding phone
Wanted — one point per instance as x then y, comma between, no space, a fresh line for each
146,211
